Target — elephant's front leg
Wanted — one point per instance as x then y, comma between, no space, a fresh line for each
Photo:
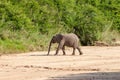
57,49
60,46
63,49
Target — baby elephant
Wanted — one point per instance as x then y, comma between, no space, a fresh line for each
70,40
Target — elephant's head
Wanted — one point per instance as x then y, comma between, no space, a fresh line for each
55,39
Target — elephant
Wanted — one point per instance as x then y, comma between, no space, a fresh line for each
69,40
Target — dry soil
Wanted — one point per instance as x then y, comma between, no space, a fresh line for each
97,63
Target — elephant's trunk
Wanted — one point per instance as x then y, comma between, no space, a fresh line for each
49,47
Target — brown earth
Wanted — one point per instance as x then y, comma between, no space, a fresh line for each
97,63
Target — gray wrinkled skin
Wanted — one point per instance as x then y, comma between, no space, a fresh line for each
70,40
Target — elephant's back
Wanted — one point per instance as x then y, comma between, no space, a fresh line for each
71,39
72,36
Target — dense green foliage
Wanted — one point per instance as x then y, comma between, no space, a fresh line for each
27,25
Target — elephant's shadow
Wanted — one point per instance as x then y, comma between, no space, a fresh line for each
40,55
50,55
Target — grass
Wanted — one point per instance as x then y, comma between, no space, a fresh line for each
22,41
11,46
109,35
25,41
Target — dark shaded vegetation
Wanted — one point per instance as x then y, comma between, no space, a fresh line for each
27,25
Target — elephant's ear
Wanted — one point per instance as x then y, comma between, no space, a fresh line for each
60,36
53,40
53,37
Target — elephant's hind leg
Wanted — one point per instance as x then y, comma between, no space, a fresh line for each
73,51
80,52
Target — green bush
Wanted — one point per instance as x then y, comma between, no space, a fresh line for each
28,25
90,24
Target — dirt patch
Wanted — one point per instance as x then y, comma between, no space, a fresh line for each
97,63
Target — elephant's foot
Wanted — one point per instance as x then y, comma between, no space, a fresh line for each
73,53
81,53
64,54
55,54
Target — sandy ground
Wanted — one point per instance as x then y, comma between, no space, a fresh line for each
97,63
